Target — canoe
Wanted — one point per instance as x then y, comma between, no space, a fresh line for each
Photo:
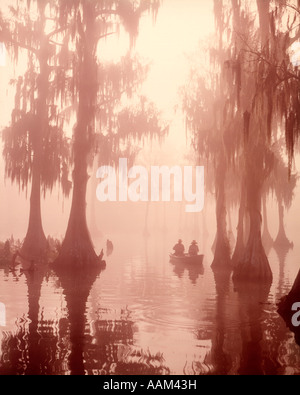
187,259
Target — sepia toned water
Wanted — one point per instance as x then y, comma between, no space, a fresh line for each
143,315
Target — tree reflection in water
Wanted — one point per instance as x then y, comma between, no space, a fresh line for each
221,360
237,330
248,336
252,296
68,346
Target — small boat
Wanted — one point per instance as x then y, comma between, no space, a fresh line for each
187,259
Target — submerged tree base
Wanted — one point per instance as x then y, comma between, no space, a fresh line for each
222,271
283,242
77,248
79,254
267,240
222,257
254,266
222,264
35,248
259,271
238,254
78,260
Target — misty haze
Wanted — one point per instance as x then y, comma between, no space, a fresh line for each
149,187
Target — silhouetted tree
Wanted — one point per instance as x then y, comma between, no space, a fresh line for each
35,148
266,236
259,66
96,98
284,187
281,184
204,119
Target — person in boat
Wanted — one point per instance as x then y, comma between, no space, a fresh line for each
194,249
109,248
179,248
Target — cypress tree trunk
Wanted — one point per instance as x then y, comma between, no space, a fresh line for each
35,243
222,252
93,211
77,247
282,240
266,237
240,246
255,264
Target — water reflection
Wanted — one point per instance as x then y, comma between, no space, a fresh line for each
72,345
77,284
24,350
146,316
282,253
220,358
252,297
112,350
194,271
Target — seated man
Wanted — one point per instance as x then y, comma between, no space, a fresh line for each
179,248
109,248
194,249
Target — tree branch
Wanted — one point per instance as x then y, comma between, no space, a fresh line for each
57,31
54,43
23,46
106,35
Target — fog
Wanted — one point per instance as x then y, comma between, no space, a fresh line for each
173,85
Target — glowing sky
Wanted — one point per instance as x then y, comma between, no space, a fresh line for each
179,27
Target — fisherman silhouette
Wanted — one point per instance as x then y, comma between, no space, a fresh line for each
194,249
109,248
179,248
